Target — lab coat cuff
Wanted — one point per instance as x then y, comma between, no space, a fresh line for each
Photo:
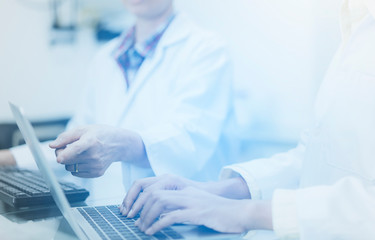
235,171
152,141
284,214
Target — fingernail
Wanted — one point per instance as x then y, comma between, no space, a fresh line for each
148,231
123,210
60,159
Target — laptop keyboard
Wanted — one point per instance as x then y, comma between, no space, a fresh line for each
25,188
110,224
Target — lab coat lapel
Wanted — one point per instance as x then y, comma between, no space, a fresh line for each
177,31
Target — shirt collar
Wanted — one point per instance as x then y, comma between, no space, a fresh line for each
145,48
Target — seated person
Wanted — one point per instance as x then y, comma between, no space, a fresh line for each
158,100
323,189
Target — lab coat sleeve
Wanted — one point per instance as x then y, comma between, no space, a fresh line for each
263,176
344,210
199,106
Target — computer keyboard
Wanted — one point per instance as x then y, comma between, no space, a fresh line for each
25,188
110,224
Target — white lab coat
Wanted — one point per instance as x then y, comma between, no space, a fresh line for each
180,102
325,188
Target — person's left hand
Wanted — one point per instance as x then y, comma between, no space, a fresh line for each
88,151
190,205
142,189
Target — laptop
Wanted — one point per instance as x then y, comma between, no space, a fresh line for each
87,222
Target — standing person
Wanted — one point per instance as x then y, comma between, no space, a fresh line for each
323,189
158,100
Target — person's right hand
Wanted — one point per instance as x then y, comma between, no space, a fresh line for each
194,206
6,158
88,151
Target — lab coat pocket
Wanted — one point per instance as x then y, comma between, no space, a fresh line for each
351,128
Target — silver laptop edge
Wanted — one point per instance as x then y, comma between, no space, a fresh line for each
57,193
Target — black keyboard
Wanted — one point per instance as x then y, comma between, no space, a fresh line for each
110,224
25,188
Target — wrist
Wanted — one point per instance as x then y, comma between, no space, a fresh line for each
258,215
211,187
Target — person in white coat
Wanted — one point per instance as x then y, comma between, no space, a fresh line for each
158,100
323,189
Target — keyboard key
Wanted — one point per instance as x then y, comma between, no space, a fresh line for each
106,220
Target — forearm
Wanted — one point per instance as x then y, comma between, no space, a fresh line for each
258,215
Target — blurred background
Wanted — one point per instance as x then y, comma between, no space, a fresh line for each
280,49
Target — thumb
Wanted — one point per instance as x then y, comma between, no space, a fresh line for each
66,138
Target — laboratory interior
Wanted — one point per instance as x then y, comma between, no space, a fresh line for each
279,53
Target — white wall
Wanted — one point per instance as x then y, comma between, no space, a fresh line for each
45,80
280,50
